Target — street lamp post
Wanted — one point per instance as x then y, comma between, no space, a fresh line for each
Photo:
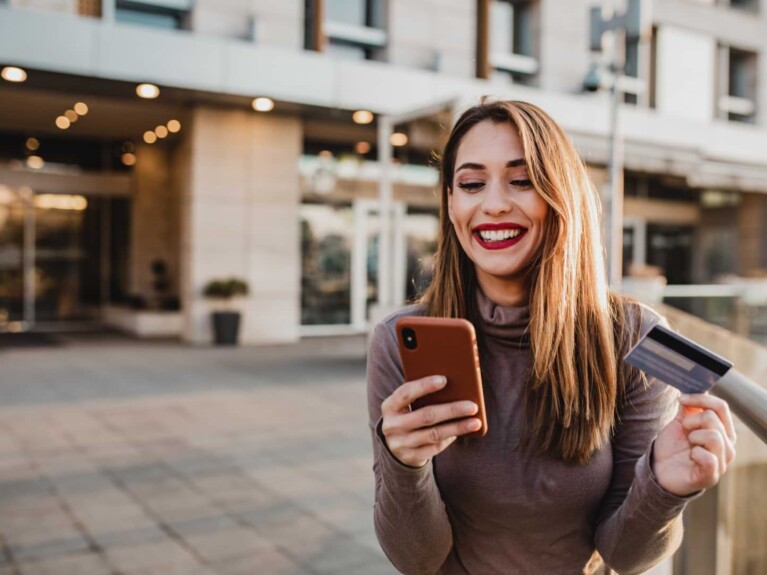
634,23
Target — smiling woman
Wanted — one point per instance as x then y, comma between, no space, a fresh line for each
584,462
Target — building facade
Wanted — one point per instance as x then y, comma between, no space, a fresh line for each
258,157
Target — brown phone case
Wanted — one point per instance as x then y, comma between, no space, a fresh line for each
443,346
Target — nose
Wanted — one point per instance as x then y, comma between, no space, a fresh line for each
497,199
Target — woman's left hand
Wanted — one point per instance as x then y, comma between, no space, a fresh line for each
693,451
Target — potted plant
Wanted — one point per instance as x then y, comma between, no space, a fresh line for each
225,320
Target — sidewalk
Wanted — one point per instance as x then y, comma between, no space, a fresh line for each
118,456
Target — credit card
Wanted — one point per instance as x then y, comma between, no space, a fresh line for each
677,360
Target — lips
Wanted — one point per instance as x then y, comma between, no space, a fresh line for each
498,236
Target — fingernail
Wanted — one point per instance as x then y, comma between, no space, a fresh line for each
440,380
475,424
470,407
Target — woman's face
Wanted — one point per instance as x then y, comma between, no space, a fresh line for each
497,214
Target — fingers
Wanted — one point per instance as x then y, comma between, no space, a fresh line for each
437,434
713,442
408,392
709,420
705,401
434,414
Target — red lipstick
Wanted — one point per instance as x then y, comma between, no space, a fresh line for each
498,244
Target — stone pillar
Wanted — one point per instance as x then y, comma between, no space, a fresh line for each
154,222
241,218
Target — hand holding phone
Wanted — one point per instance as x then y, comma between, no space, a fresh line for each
443,389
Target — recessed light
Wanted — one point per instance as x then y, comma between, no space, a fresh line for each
72,116
13,74
398,139
174,126
161,131
148,91
326,154
150,137
62,122
81,108
128,159
263,104
362,117
33,144
35,162
362,147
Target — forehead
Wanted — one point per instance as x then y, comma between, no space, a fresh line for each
489,143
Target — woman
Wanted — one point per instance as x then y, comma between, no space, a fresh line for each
584,460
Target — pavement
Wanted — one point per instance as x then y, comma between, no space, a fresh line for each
132,457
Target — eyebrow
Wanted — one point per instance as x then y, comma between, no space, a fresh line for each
473,166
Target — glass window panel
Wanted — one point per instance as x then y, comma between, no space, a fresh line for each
523,38
346,11
501,27
326,240
154,19
11,257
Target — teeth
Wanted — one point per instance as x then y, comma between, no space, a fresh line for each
499,235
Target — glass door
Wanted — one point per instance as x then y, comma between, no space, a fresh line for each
15,230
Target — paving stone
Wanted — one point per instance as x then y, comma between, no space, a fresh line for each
74,564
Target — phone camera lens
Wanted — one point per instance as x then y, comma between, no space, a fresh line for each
408,336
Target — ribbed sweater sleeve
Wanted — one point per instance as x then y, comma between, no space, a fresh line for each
411,522
639,523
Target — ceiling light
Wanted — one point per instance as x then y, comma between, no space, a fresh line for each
35,162
71,115
63,122
33,144
326,154
148,91
161,131
13,74
81,108
362,117
128,147
263,104
174,126
398,139
150,137
129,159
60,202
362,147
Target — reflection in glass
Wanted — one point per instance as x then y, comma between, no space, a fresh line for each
326,240
421,230
11,257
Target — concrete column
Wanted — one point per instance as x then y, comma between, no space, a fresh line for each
240,215
154,222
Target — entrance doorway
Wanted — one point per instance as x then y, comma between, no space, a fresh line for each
340,261
57,259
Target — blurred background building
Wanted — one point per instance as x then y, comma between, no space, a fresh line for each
150,146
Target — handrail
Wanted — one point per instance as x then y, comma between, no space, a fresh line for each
746,399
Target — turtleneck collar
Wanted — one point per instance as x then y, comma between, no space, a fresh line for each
508,323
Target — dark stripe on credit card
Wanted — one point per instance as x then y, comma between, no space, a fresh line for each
677,360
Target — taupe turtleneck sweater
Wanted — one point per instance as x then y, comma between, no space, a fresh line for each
486,505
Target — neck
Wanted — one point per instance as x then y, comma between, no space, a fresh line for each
507,292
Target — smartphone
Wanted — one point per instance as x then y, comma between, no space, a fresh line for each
443,346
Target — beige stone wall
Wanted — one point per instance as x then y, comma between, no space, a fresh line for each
154,221
429,32
241,218
268,22
66,6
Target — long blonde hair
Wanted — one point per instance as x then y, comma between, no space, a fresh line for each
576,324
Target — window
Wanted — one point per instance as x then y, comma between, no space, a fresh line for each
737,85
351,29
155,13
507,39
749,5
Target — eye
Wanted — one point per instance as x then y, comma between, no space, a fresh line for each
524,184
470,186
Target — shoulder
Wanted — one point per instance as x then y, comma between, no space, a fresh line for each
634,319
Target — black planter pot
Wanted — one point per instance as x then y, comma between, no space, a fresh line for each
226,326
